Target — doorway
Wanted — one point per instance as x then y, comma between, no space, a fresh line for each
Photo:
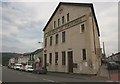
70,61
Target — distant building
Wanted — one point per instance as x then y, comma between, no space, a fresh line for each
32,58
71,39
23,59
114,57
11,61
35,58
38,58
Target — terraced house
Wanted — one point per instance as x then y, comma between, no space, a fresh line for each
71,39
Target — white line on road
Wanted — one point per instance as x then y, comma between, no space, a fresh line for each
0,82
48,80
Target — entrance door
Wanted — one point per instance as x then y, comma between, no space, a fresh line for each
45,60
70,61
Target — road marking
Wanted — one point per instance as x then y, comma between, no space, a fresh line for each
112,81
48,80
0,82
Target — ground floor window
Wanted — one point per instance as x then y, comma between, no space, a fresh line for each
84,54
56,58
63,58
50,58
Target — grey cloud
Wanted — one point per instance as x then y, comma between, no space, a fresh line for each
28,19
8,40
6,48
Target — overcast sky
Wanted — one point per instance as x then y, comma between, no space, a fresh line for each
23,22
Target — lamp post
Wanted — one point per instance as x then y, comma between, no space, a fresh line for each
41,44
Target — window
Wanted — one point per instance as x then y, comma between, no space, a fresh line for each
56,58
57,38
54,24
50,40
45,42
50,58
63,20
63,37
63,58
84,54
67,17
58,22
82,28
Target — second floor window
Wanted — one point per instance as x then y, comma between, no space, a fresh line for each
63,37
67,17
82,28
54,24
62,19
58,22
50,40
57,38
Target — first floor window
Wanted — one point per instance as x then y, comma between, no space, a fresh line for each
57,37
56,58
84,54
45,42
50,40
63,58
63,37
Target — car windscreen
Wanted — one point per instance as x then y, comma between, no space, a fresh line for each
30,67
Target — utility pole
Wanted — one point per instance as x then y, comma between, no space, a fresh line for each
104,50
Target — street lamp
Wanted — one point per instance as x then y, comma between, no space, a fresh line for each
41,44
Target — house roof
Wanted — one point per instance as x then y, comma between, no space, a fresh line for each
75,4
37,51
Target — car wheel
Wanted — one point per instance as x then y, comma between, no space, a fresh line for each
38,73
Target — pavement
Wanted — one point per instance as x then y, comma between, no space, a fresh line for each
11,75
101,76
103,72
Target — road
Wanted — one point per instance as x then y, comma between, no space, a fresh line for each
10,75
114,75
0,74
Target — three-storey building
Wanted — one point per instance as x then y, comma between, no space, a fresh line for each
71,39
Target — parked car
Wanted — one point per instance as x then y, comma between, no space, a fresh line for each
11,66
17,66
29,68
40,70
118,62
112,65
22,68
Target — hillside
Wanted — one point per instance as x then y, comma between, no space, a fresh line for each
6,56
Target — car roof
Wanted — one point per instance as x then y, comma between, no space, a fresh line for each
112,62
18,64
